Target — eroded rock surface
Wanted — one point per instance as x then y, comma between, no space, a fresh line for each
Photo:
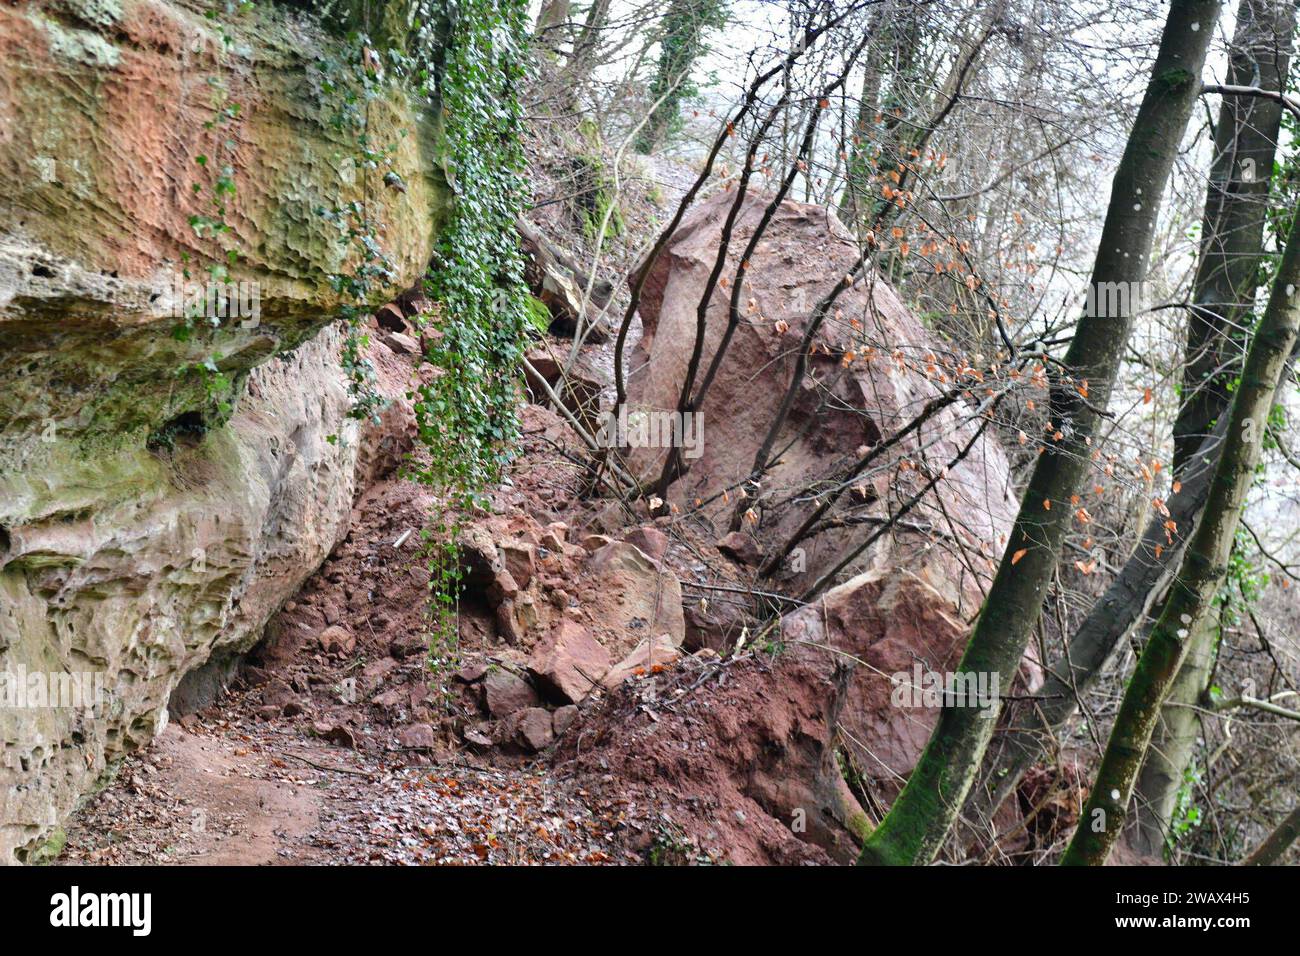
154,513
884,623
148,581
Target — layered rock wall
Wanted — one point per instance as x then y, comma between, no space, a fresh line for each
154,512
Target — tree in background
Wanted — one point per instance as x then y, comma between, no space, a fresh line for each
1228,275
919,821
684,29
1201,573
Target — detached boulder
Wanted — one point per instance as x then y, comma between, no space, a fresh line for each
740,547
418,737
533,729
652,542
479,561
579,388
631,597
337,639
873,368
569,662
518,559
504,693
893,622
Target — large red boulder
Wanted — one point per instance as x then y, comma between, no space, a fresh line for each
886,623
874,367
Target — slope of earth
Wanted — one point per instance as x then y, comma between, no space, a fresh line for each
337,743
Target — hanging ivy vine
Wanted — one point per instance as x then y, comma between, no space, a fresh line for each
466,58
467,415
210,227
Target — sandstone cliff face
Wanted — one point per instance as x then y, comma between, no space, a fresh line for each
153,515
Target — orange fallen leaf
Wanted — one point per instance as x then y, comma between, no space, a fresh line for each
1019,554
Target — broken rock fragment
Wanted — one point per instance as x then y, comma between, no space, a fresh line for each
569,662
533,729
504,693
647,658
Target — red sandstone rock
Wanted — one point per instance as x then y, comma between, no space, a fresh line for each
569,662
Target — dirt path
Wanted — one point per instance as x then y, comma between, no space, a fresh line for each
196,798
225,792
286,768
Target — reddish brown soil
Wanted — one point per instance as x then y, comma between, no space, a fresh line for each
293,767
353,750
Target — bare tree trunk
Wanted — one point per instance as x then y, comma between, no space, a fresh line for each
890,57
1125,602
1172,743
919,821
1227,277
550,18
553,14
581,61
1277,842
1236,205
1201,571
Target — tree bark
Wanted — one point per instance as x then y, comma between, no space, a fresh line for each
917,824
1202,569
581,61
1232,227
1227,277
554,13
1125,602
888,66
1277,842
1172,744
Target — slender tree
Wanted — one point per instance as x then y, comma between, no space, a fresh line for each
1201,572
685,26
891,64
915,827
1227,278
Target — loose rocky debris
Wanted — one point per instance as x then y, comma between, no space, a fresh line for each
614,696
238,790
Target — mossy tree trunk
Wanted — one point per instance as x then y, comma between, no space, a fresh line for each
1203,567
1227,277
685,26
919,821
